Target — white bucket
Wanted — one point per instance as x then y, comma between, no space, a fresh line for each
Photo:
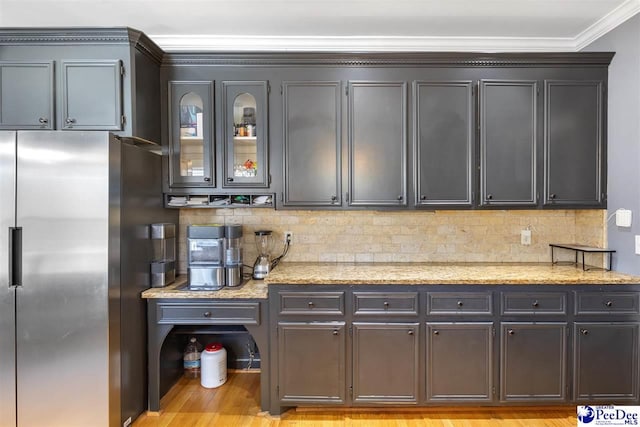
213,366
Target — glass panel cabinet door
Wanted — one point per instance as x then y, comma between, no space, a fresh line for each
191,146
245,132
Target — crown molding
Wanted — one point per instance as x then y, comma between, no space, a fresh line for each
233,43
607,23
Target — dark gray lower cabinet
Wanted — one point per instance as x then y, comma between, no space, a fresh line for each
460,361
385,363
533,361
606,361
311,362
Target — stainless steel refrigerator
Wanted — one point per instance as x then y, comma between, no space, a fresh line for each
74,257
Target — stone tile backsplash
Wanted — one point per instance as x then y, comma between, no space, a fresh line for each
378,236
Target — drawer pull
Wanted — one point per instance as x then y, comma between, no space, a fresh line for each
207,314
535,304
584,331
335,332
510,332
436,332
410,332
609,303
310,304
386,304
459,303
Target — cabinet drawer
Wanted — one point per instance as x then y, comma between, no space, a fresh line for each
534,303
313,303
386,303
459,303
214,313
607,303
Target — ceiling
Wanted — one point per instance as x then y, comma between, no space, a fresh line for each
338,25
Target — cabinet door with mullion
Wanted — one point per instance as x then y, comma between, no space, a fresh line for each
508,141
377,143
444,140
312,143
26,95
573,143
245,127
191,144
91,95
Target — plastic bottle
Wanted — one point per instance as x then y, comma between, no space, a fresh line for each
214,366
191,359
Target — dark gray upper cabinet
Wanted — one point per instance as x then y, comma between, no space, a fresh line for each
385,363
312,143
573,143
460,361
377,143
311,362
91,95
245,120
26,95
610,378
444,140
508,135
533,361
191,147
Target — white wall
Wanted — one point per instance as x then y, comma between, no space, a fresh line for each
623,134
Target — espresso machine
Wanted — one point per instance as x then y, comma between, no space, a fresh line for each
205,257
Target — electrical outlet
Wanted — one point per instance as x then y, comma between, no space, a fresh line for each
525,237
288,237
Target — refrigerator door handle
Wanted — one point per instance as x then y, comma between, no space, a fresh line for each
15,256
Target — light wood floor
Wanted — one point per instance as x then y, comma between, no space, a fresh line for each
236,404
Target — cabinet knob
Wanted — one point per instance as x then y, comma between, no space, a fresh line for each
335,332
310,304
386,304
207,314
334,199
609,303
229,179
400,198
410,332
510,332
535,304
423,197
43,120
70,120
552,196
489,196
436,332
460,304
584,331
207,179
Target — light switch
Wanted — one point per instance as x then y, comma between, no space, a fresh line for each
623,218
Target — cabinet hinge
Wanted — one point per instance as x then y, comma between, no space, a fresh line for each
346,90
493,391
268,88
346,197
269,178
122,70
350,390
350,331
537,91
493,331
123,120
282,197
281,90
278,390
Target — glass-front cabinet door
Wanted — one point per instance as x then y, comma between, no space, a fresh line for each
191,146
245,132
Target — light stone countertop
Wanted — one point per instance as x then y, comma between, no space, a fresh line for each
252,289
442,274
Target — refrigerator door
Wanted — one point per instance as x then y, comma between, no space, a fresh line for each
7,294
62,323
